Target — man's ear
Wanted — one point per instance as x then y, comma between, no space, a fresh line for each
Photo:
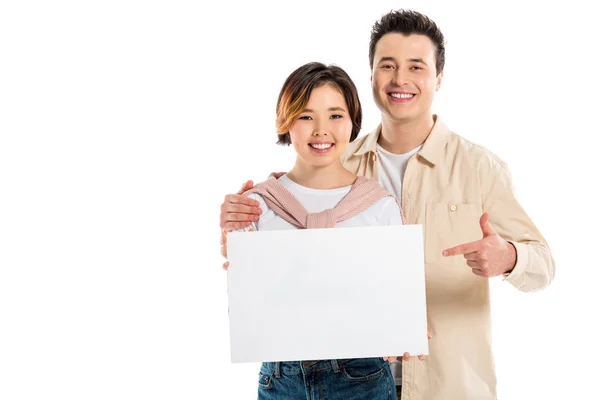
438,80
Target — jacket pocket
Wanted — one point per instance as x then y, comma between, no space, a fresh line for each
448,225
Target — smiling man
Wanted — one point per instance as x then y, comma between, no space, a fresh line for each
460,192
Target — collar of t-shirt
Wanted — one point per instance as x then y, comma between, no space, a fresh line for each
397,159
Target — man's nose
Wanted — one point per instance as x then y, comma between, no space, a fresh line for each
400,77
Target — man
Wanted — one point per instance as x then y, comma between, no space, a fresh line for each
474,227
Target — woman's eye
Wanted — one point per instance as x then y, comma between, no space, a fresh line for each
336,116
305,118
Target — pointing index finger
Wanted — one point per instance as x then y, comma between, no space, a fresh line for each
462,249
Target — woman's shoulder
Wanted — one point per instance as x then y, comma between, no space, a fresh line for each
388,210
260,199
387,202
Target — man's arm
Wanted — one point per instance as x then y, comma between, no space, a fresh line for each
511,245
534,267
237,212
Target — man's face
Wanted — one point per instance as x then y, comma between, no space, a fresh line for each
404,78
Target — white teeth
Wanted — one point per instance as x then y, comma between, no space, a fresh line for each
402,95
321,146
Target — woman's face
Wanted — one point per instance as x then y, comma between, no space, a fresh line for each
322,131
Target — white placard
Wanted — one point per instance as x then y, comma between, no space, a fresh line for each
312,294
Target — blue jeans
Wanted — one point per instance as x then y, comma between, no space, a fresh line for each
348,379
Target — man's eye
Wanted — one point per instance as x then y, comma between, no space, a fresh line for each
416,67
387,66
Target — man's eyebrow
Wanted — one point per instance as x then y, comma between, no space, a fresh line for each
386,59
417,60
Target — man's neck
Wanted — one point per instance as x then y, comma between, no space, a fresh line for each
400,137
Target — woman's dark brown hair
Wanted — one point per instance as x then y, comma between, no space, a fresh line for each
298,87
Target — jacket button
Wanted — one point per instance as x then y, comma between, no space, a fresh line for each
453,207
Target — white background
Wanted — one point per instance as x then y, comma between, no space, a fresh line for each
123,124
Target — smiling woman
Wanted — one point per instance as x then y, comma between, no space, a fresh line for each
321,132
297,89
319,114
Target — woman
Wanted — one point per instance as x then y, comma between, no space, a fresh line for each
319,113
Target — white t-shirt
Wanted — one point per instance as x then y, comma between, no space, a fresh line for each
391,169
391,173
384,212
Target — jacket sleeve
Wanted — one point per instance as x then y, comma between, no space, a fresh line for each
534,269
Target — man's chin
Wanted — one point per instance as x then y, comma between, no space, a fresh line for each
400,117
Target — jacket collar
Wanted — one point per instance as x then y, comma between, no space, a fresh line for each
432,150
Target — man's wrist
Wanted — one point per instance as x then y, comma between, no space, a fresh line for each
513,251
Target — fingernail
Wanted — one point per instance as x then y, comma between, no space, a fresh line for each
445,253
259,210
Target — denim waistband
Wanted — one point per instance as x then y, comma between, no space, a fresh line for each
296,367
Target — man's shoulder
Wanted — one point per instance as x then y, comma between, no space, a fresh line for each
357,144
474,152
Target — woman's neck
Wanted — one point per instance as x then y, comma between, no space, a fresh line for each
332,176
